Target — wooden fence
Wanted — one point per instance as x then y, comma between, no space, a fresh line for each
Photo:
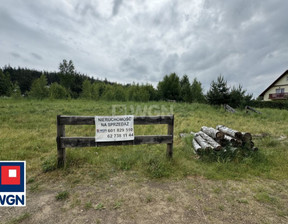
64,142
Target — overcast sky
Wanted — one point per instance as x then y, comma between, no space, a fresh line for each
141,41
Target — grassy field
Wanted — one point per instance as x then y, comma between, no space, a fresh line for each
28,132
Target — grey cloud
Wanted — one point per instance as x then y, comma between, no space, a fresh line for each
36,56
22,34
116,6
162,20
170,64
167,17
85,8
233,13
133,67
16,55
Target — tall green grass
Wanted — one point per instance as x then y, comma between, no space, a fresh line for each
28,132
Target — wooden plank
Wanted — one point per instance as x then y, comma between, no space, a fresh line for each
169,151
167,119
90,120
60,149
77,120
90,141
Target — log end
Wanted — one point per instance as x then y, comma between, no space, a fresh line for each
246,137
220,135
238,135
218,148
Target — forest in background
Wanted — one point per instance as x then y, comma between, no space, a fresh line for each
68,83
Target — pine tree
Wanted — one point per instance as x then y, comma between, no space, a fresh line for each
185,92
238,97
219,92
197,92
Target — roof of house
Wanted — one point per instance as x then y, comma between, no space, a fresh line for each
262,94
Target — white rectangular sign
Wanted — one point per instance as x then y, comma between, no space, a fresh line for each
115,128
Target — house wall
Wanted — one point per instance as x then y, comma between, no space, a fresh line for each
282,83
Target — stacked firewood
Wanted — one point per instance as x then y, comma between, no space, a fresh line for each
217,139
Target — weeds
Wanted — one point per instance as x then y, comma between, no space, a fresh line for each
242,201
31,180
88,205
158,167
264,197
229,154
49,164
99,206
34,187
117,205
20,218
61,196
148,198
170,198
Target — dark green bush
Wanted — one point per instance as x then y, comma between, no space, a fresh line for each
279,104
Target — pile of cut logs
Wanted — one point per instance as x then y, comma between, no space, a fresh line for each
215,139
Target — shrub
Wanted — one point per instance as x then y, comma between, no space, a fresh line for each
57,91
39,88
281,104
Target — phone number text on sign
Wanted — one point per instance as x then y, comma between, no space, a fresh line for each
116,128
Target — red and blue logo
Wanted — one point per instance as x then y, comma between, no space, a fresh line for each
12,183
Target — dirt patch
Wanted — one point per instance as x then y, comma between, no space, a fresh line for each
127,200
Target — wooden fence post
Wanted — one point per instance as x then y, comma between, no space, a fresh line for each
169,152
64,141
60,149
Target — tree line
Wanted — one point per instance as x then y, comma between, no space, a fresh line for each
68,83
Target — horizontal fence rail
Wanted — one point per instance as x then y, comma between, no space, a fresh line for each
90,120
65,142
